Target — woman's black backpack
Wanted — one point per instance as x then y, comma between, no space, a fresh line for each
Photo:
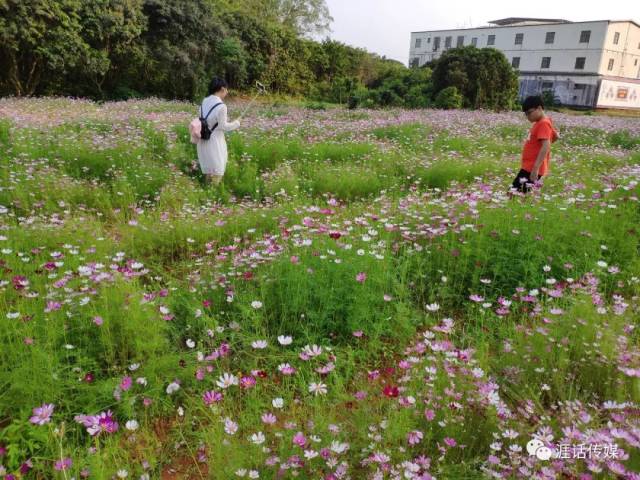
205,131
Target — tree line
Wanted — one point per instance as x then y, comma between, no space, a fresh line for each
117,49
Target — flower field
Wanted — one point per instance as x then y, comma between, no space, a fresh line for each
361,298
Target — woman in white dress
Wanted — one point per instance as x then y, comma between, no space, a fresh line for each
212,153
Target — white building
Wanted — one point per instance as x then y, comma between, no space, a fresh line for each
590,64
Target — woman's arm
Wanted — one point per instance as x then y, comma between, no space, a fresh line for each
223,122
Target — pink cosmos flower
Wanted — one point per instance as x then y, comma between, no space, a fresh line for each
212,397
269,418
64,464
126,383
361,277
299,439
42,414
247,382
414,437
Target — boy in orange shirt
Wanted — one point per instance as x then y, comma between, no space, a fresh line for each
536,151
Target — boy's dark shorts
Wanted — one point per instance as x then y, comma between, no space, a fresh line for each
523,186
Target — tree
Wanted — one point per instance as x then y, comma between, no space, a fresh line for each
180,45
111,29
232,61
38,37
484,77
304,16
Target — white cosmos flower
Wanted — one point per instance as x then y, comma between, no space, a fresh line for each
172,387
318,388
285,340
257,438
338,447
190,343
309,454
230,427
259,344
226,380
132,425
277,402
256,304
313,350
432,307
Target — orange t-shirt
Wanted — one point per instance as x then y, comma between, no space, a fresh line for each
541,130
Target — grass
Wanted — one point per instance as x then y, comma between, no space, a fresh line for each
132,287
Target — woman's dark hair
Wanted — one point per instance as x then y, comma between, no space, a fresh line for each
534,101
216,85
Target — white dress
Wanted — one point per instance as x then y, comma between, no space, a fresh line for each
212,153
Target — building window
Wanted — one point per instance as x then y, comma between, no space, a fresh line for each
418,42
474,41
447,42
519,38
491,40
415,62
610,67
585,36
546,62
550,38
460,41
580,63
547,85
580,86
436,43
429,40
515,62
635,63
616,38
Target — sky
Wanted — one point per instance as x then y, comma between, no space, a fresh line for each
384,26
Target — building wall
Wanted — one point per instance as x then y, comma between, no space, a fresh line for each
563,51
571,85
576,91
625,55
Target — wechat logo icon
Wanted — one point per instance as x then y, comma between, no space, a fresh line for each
537,448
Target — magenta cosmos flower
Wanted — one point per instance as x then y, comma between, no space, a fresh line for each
96,424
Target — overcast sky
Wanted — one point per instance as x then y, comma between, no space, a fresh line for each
384,26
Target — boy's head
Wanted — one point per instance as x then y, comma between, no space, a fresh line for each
533,108
219,87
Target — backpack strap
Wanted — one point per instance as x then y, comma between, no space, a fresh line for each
210,110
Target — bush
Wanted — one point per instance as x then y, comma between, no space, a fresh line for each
449,98
549,99
623,139
483,76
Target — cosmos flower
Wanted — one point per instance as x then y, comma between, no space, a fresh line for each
42,414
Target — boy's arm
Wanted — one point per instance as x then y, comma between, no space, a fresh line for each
544,149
